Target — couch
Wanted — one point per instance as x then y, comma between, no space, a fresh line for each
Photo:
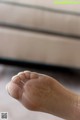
39,31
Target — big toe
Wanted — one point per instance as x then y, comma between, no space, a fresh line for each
14,87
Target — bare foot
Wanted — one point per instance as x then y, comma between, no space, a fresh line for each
40,92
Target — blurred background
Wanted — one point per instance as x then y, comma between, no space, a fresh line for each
38,36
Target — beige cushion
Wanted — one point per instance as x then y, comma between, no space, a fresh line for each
39,47
49,20
35,46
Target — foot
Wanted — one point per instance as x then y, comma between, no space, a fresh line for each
40,92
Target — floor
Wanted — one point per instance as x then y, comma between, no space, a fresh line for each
15,110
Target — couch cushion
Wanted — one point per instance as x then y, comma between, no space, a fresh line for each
38,47
46,33
51,19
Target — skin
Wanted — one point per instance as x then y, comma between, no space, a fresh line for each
40,92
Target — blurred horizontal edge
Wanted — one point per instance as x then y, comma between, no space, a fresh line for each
36,65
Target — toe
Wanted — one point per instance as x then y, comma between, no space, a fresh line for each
27,74
34,75
31,75
14,90
22,77
17,80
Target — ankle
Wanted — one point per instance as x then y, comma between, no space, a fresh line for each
76,114
75,110
71,106
68,106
